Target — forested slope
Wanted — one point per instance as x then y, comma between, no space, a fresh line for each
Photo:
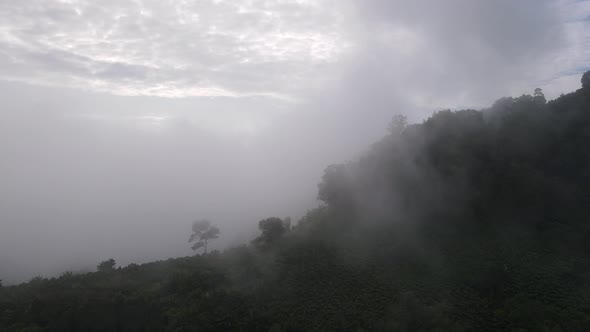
472,220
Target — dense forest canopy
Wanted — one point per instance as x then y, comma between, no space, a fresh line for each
471,220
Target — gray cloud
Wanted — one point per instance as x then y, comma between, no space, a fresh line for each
446,54
88,176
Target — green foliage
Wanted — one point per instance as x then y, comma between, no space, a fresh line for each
539,96
470,221
335,187
586,80
106,266
272,230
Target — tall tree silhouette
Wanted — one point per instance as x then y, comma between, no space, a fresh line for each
203,231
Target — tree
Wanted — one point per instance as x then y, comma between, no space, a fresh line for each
272,230
106,266
586,80
335,187
287,223
203,231
539,96
398,124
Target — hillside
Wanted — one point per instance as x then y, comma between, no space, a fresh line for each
471,220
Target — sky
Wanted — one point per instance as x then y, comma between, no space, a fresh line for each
122,121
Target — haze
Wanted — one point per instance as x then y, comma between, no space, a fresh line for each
121,122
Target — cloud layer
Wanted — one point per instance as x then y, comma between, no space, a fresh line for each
279,48
169,48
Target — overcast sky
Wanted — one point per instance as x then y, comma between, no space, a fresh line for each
122,121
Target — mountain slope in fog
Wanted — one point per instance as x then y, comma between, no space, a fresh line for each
472,220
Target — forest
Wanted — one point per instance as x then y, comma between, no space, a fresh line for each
473,220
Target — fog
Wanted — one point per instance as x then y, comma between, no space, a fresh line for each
122,122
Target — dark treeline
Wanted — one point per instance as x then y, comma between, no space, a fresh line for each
470,221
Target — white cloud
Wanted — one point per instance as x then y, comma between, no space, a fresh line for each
169,48
283,48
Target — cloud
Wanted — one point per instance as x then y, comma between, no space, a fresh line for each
464,53
169,48
286,48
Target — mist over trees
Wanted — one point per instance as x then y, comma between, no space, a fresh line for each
474,220
106,266
203,232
